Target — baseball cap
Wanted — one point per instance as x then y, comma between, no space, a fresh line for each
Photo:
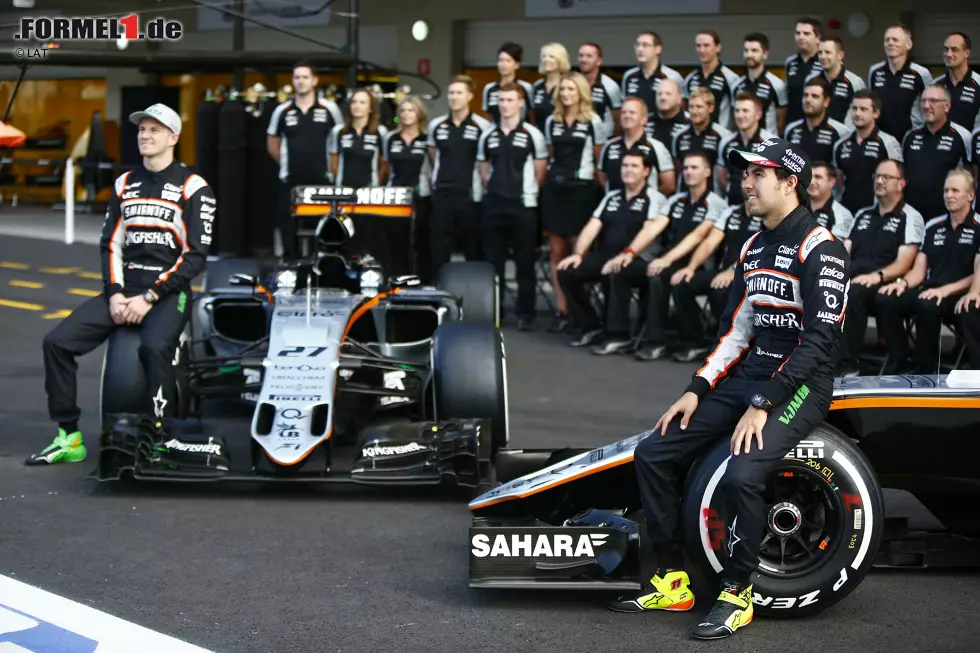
775,153
162,114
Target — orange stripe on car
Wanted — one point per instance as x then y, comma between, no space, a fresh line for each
582,474
905,402
362,309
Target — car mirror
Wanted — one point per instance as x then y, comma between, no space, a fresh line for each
405,281
239,279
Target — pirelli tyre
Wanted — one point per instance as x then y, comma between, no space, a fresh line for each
469,376
476,286
825,520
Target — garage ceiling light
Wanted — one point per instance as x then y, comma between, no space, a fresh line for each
420,30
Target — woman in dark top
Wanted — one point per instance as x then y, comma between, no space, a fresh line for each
554,64
355,146
407,157
575,137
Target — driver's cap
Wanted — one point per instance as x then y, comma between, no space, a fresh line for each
775,153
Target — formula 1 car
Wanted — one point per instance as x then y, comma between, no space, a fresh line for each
571,519
353,375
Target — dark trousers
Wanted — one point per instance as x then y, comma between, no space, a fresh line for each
88,326
508,224
969,324
662,463
287,223
657,301
691,326
455,219
891,312
860,302
574,282
421,238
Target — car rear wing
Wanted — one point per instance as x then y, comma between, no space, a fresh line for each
385,201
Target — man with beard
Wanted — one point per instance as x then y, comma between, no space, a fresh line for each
748,114
713,75
606,99
933,150
801,66
883,244
843,83
758,81
857,156
670,117
816,133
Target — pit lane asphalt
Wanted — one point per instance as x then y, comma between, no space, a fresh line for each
348,569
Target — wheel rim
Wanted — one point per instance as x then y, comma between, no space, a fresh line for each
805,520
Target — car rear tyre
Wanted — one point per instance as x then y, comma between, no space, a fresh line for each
476,286
470,376
825,522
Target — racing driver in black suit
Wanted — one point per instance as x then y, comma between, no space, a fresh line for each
155,240
768,380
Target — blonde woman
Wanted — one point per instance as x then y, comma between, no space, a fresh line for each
554,63
355,146
406,152
574,135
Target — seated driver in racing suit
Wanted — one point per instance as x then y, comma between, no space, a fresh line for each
778,343
155,241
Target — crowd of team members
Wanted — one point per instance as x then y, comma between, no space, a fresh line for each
594,165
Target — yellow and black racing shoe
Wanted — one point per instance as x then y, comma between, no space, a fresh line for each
671,593
731,611
66,448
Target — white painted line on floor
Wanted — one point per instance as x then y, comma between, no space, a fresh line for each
32,619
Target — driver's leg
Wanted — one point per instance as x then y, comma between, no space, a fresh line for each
743,485
661,463
86,328
159,334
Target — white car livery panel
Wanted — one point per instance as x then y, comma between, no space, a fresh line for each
301,369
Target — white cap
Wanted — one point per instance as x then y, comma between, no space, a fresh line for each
162,114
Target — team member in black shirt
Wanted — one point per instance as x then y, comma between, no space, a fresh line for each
456,185
508,63
968,312
900,83
691,216
574,136
554,64
883,244
631,121
931,151
975,148
669,118
701,135
406,152
513,159
731,230
829,212
713,75
297,140
943,271
857,156
355,146
770,89
801,66
606,98
644,80
748,116
962,83
816,133
620,216
843,83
